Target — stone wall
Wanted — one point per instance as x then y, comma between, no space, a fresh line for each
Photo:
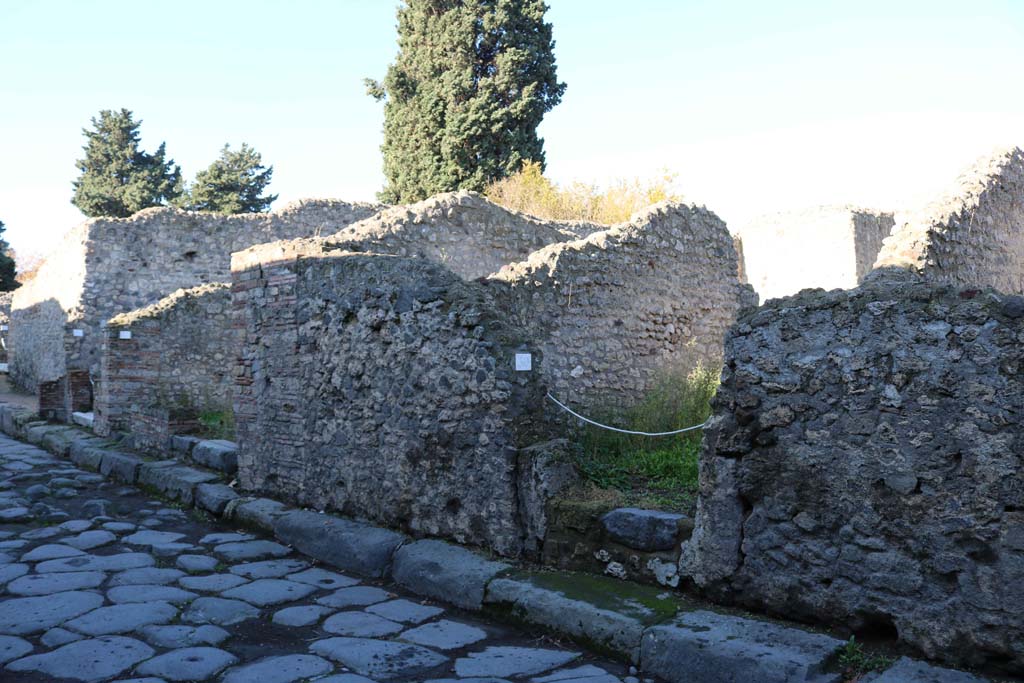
384,388
175,364
5,321
831,247
863,466
973,234
615,311
108,266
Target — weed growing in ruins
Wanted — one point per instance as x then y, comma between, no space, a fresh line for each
218,424
854,662
658,472
530,192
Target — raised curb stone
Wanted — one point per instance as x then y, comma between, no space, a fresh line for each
214,498
175,481
446,572
705,647
217,454
360,548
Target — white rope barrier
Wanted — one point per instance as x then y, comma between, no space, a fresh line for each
616,429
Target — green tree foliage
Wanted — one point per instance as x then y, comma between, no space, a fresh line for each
7,266
470,85
117,177
234,183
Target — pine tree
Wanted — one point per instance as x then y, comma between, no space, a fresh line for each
463,100
234,183
7,264
117,177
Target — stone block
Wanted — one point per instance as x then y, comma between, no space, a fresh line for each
705,647
214,498
183,445
605,612
217,454
351,546
256,513
173,480
445,572
120,466
907,670
647,530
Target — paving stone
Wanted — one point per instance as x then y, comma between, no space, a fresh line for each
321,578
284,669
354,596
19,616
87,660
48,584
588,673
15,514
269,569
122,618
37,491
379,658
75,526
120,527
97,508
90,539
445,635
265,592
170,549
217,454
300,615
229,537
705,647
148,592
504,661
188,664
220,611
907,670
11,571
211,583
149,537
475,679
146,575
351,546
42,533
360,625
58,636
405,611
197,563
16,544
147,679
109,563
12,647
214,498
50,551
175,636
445,572
345,678
250,550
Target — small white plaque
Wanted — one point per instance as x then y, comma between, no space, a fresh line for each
124,334
3,328
524,362
77,333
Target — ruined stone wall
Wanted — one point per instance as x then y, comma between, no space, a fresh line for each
384,388
973,234
463,231
615,311
108,266
831,247
863,466
175,364
5,320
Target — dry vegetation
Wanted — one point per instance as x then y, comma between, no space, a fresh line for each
530,192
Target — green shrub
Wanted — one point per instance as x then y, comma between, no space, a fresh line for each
652,471
530,192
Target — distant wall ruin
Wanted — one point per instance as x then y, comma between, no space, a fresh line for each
972,235
108,266
863,466
165,365
831,247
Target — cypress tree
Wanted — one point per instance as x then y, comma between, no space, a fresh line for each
117,177
7,265
234,183
463,100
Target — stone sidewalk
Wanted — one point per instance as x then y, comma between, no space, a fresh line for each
105,583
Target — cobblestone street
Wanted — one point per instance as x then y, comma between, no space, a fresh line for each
104,583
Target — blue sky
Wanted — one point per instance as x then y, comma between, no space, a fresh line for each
757,106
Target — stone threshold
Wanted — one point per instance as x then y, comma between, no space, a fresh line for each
640,624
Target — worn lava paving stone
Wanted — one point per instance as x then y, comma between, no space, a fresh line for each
285,669
19,616
89,660
379,657
187,664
